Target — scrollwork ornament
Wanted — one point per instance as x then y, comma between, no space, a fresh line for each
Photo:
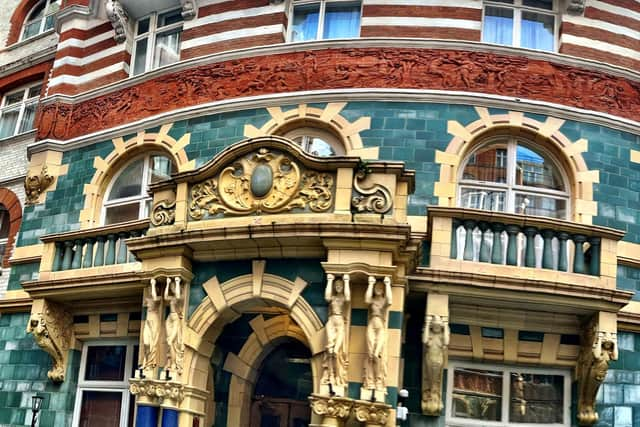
375,199
119,19
332,407
163,213
372,413
34,185
51,328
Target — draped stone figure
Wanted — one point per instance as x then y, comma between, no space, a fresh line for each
378,298
338,297
151,332
173,326
598,349
435,340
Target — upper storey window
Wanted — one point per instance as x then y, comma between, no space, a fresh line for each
508,175
522,23
17,110
157,41
326,19
41,18
127,198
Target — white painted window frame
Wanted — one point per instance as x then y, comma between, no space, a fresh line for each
106,386
506,391
518,8
151,36
321,13
43,22
510,188
22,106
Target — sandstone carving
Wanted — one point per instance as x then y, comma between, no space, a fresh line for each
378,298
51,327
163,213
119,19
373,414
435,340
151,333
338,297
35,185
375,199
173,326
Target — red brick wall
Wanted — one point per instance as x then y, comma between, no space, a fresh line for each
10,201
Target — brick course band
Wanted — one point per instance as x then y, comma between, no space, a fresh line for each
346,68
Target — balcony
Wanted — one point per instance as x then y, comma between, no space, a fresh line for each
492,254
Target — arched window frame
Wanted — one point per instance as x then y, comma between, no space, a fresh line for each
304,136
143,198
510,187
44,23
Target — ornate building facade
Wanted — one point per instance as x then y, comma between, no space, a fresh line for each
283,212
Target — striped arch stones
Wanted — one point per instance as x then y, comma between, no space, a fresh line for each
547,133
143,142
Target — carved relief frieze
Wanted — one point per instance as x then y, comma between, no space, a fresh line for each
264,181
163,213
35,185
51,326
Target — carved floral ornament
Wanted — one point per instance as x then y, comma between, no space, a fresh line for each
34,185
263,181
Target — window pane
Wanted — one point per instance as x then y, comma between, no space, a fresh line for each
537,31
122,213
50,22
531,204
143,26
498,25
14,98
167,49
305,22
38,11
536,399
139,62
483,198
318,147
27,118
477,394
35,91
4,223
488,164
534,170
129,182
168,18
100,408
31,29
105,363
341,20
8,122
160,168
540,4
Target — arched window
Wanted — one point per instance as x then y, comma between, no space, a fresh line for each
41,18
511,175
316,141
127,198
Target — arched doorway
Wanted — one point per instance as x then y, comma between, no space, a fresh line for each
283,385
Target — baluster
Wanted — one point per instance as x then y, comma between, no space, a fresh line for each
99,258
122,248
469,225
594,266
68,255
88,255
455,223
578,257
110,258
547,249
496,248
57,257
512,244
563,265
530,251
77,254
130,257
485,255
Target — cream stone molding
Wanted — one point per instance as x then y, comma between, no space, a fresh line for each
123,151
334,410
51,327
119,19
328,118
372,414
599,347
467,138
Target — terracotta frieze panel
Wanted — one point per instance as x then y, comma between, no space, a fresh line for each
347,68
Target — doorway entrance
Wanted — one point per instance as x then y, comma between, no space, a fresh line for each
284,383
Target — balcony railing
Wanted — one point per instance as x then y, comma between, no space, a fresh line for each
524,241
95,247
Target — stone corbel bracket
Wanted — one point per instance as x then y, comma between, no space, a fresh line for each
35,185
119,19
51,326
576,7
189,9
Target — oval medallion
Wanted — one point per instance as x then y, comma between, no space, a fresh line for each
261,180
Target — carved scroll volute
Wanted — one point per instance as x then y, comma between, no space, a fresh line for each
163,213
52,328
373,198
119,19
34,185
598,347
435,341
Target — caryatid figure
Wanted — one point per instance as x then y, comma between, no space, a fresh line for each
151,333
435,340
173,325
338,297
378,298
